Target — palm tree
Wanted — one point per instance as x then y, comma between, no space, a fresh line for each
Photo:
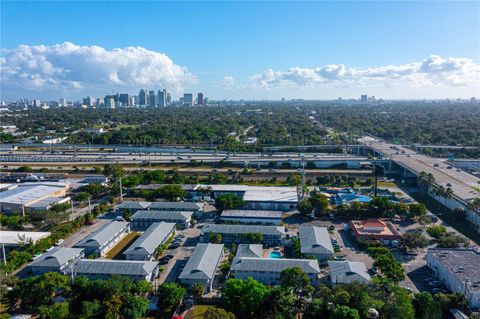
474,204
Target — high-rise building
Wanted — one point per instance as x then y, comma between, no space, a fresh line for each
142,98
364,98
109,101
123,99
63,102
188,99
131,100
90,101
162,98
152,99
169,99
200,100
36,103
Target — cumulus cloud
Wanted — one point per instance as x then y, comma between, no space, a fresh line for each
68,67
227,83
432,71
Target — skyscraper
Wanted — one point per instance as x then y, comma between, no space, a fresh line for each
63,102
142,98
123,99
169,99
188,99
364,98
152,99
162,98
200,100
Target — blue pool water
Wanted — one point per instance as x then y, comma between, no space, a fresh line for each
275,254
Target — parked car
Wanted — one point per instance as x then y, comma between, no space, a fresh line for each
36,256
59,242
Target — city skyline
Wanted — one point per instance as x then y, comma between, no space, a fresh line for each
318,50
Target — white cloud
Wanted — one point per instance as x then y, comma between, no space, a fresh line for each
227,83
434,71
69,68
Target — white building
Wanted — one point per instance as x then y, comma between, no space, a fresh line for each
103,239
57,260
143,219
105,268
145,246
13,239
459,271
315,241
243,216
346,272
30,197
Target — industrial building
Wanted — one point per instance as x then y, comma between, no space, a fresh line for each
315,241
134,206
272,235
202,265
28,197
458,269
13,239
143,219
103,239
242,216
145,246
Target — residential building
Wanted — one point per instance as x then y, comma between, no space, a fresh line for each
458,269
188,99
375,229
123,98
102,240
268,270
272,235
133,206
59,259
346,272
162,98
13,239
105,268
249,250
243,216
315,241
152,99
142,98
28,197
145,246
202,265
143,219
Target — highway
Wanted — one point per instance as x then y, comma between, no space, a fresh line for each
463,184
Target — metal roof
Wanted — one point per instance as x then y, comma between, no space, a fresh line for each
114,267
309,266
103,235
348,271
57,257
243,213
150,239
203,262
28,194
18,237
258,193
243,229
133,205
185,206
315,240
162,215
249,250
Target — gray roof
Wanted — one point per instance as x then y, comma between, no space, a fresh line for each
203,262
103,235
249,250
243,229
309,266
461,263
244,213
315,240
150,239
57,257
184,206
346,272
133,205
161,215
114,267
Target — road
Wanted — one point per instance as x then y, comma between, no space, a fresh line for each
464,185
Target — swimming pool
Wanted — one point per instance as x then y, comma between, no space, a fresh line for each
275,254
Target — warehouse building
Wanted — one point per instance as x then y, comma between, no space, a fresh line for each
268,217
145,246
32,198
143,219
103,239
105,268
13,239
57,260
135,206
272,235
202,265
315,241
458,269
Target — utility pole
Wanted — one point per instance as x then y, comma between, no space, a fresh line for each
121,191
73,214
89,206
4,256
23,209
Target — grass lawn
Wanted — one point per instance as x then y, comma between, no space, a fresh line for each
198,311
121,246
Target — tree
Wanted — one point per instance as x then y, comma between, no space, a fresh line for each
55,311
24,168
474,204
218,313
91,309
244,297
170,294
452,241
228,201
134,307
296,282
112,307
198,290
414,240
316,309
215,238
417,210
426,307
305,207
319,203
170,192
344,312
436,231
127,214
113,171
82,196
254,238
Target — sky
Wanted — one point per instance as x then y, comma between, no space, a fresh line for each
241,49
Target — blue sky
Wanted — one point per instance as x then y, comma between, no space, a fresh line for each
246,49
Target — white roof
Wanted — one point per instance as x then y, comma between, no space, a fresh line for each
259,193
27,194
17,237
